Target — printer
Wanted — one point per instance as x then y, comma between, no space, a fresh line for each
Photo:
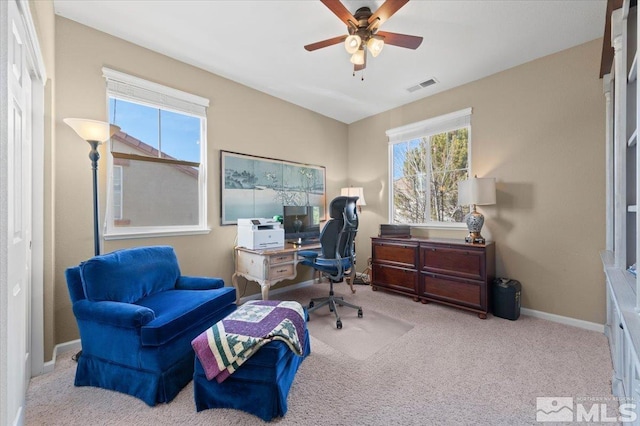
260,233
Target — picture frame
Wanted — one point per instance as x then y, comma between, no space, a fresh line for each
259,187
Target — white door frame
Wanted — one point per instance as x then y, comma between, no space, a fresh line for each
37,72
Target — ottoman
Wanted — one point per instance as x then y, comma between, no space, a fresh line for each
260,386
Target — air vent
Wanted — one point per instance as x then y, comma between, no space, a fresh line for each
419,86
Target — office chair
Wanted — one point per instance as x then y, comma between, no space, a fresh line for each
337,258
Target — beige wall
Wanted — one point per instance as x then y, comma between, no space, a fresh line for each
539,130
239,119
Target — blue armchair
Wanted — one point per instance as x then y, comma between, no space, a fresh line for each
137,316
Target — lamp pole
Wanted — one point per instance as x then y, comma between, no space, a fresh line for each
94,156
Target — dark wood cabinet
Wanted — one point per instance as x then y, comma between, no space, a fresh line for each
394,266
451,272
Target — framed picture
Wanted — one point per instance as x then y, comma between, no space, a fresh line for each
256,187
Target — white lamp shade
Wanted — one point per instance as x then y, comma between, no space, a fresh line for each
479,191
354,191
358,57
92,130
352,43
375,46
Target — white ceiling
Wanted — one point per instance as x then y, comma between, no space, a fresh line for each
260,43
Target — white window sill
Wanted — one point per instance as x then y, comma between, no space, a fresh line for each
157,232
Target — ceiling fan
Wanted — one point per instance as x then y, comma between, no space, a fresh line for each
363,34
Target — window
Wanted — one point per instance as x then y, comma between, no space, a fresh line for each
426,161
157,161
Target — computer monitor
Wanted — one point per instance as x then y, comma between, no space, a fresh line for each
301,222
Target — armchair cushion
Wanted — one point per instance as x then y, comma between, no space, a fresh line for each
178,310
129,275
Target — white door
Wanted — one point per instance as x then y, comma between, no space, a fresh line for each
19,161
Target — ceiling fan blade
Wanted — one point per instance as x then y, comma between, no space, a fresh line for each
340,11
401,40
387,9
325,43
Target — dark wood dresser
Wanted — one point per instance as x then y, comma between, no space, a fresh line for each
450,272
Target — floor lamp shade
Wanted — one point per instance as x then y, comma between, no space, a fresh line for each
476,191
92,130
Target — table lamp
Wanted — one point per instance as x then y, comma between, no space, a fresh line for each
476,191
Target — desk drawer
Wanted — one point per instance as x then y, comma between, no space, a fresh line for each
281,258
281,271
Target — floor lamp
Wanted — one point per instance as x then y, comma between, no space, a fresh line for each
96,133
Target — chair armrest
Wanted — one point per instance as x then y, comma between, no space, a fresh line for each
308,254
117,314
199,283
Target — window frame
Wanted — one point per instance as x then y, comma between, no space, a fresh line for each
425,128
133,89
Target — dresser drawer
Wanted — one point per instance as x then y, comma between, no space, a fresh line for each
398,254
452,290
401,279
453,260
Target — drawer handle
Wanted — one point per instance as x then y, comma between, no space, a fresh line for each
621,326
281,270
434,249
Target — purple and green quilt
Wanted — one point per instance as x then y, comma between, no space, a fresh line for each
225,346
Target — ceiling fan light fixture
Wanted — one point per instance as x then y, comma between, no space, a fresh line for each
375,45
358,57
352,43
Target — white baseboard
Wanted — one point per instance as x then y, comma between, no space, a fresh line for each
592,326
73,345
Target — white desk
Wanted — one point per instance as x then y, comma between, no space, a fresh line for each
267,267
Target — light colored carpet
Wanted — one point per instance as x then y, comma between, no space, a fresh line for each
359,337
450,368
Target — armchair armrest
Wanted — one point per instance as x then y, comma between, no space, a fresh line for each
117,314
198,283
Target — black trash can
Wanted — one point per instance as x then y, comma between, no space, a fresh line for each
506,298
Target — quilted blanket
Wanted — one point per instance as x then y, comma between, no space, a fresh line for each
226,345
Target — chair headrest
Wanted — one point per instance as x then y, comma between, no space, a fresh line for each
343,204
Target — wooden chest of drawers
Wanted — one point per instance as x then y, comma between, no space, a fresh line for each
451,272
394,266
